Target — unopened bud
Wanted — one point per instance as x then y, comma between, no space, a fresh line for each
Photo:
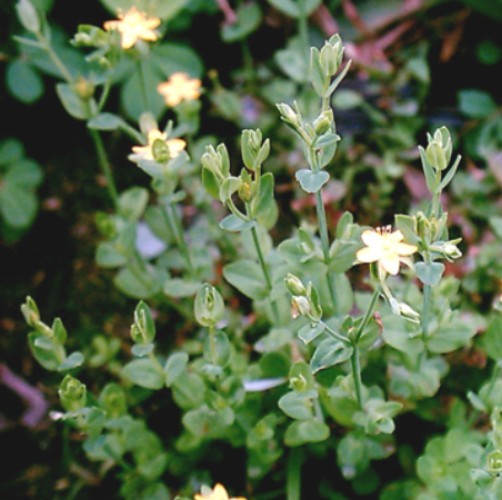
208,306
323,122
289,115
28,16
143,328
84,88
30,312
404,310
73,393
295,285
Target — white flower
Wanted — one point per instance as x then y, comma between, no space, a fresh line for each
385,247
134,25
178,88
159,148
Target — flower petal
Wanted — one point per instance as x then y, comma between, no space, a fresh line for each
371,238
368,254
390,262
405,249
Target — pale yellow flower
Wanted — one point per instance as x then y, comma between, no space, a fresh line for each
385,247
178,88
134,25
218,493
158,147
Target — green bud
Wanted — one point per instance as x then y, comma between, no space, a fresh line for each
298,383
208,306
494,461
28,16
113,400
73,393
289,115
331,55
160,151
59,331
423,227
323,123
295,285
30,312
84,88
404,310
143,328
90,36
246,192
253,152
217,161
435,155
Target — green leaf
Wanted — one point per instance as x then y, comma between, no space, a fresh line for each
217,348
180,288
24,82
476,104
17,206
235,224
105,121
108,256
330,352
492,338
264,206
24,173
247,277
189,390
310,332
211,183
298,405
312,182
45,350
132,203
396,333
347,99
74,105
175,366
228,187
429,273
144,373
408,227
293,62
74,360
296,9
451,336
141,350
169,58
11,150
136,286
306,431
248,20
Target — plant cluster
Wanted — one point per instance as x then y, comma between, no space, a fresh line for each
292,343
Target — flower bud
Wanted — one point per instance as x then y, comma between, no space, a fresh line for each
290,116
253,153
298,383
208,306
494,461
217,161
83,88
295,285
331,55
73,393
30,312
300,306
404,310
435,155
323,122
143,328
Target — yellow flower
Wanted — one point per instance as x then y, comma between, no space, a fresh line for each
133,26
385,247
218,493
178,88
159,148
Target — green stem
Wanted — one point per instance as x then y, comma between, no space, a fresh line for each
294,474
105,166
55,58
367,315
323,230
355,365
355,359
172,220
266,272
212,344
426,307
335,334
